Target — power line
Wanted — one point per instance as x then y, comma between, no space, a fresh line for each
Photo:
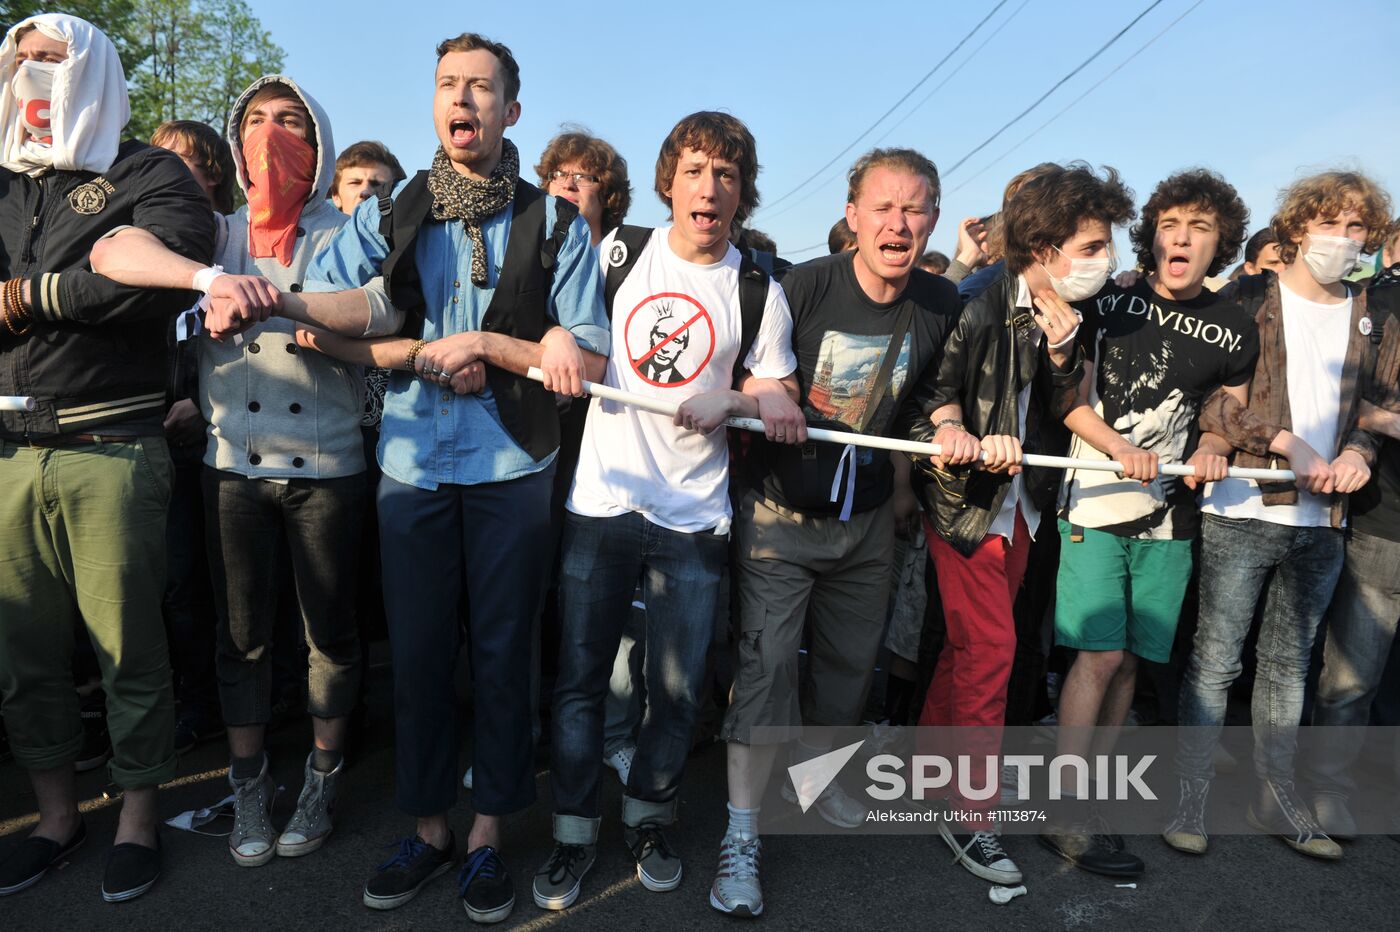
897,103
971,55
1029,136
1056,86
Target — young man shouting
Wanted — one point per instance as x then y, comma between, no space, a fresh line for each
1157,350
664,517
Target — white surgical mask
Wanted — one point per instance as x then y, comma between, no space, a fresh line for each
1331,258
33,88
1086,277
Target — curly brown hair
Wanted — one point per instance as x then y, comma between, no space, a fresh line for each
598,158
1327,195
1203,190
1049,208
718,135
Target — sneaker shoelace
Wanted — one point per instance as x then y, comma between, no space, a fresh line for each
990,846
738,858
485,864
408,851
649,836
1191,810
250,809
309,802
1294,810
562,860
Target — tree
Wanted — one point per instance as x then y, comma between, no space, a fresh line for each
184,59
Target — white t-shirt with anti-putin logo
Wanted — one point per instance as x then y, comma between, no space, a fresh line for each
676,329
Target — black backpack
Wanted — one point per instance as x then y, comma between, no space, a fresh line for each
628,243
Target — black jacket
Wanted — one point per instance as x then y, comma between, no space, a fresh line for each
987,360
97,353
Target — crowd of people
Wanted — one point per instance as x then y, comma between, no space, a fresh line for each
323,399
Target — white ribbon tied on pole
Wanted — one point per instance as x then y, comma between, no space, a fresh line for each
912,446
16,403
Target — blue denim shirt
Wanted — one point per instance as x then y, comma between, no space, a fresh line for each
430,436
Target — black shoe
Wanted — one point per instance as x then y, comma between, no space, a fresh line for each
1094,853
980,852
194,729
401,877
132,869
32,858
485,886
97,745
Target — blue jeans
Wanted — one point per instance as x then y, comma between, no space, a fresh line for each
1295,569
680,577
489,542
1360,630
622,712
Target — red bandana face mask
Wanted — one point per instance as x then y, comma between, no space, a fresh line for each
281,167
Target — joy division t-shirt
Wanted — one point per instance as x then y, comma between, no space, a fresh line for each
1155,360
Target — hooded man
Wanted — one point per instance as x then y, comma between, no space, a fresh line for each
85,473
285,460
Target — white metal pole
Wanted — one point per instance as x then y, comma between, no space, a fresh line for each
16,403
598,390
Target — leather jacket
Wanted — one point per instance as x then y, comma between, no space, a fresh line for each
990,355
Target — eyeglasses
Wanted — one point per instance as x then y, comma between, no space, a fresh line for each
581,179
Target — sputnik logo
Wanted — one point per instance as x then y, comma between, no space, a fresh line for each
811,777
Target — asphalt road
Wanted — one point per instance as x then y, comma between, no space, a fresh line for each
810,882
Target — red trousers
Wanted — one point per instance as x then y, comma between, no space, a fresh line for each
969,682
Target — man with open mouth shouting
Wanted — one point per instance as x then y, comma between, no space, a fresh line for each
494,277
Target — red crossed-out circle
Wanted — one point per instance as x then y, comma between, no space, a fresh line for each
700,315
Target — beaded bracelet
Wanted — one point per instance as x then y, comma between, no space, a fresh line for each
413,353
12,303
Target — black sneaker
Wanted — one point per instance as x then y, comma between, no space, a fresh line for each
401,877
32,858
556,885
485,887
194,729
132,869
980,852
97,745
1095,853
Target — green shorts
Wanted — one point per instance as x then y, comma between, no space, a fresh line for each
1117,593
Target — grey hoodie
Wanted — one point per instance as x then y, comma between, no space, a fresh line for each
276,411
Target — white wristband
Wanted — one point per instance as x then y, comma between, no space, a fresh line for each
204,278
1067,340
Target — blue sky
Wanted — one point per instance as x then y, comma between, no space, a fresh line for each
1259,91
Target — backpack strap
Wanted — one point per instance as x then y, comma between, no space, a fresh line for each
564,214
627,246
753,297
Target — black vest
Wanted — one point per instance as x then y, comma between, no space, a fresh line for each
518,307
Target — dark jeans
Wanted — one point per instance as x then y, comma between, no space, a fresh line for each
491,543
189,604
319,520
1360,630
1295,569
680,577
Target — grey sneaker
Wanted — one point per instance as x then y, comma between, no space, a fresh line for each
310,825
557,884
1281,812
658,867
251,840
1187,829
736,891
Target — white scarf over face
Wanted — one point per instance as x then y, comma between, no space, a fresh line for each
88,109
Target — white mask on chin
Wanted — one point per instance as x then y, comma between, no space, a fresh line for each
1331,258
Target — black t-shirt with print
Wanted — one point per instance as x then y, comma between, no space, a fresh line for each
1156,361
840,337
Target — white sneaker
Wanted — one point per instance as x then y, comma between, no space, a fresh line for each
467,778
621,761
736,891
835,805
